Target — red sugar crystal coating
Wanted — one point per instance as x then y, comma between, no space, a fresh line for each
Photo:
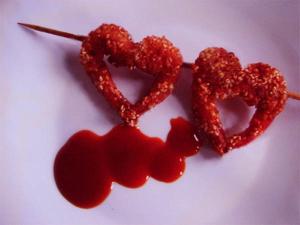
219,75
153,55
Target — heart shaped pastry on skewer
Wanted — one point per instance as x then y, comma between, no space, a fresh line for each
154,55
218,75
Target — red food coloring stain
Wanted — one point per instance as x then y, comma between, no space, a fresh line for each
87,164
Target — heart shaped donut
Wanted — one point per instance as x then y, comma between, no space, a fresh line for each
153,55
218,75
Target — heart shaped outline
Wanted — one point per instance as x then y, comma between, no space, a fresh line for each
153,55
218,75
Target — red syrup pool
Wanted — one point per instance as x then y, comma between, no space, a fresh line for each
87,164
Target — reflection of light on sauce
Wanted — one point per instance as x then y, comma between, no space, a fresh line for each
87,164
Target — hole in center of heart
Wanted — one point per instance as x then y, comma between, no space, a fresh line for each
134,84
235,115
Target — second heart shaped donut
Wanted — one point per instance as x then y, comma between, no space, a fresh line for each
218,75
154,55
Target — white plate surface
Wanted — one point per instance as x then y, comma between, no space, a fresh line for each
45,97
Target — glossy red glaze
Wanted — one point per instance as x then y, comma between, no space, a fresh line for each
87,164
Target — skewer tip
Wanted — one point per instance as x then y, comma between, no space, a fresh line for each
52,31
24,24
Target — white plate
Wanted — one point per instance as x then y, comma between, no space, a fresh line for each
46,97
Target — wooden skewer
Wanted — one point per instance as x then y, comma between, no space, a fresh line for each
54,32
294,95
77,37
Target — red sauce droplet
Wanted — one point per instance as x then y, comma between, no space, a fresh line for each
87,164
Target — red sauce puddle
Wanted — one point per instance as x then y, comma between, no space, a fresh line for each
87,164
